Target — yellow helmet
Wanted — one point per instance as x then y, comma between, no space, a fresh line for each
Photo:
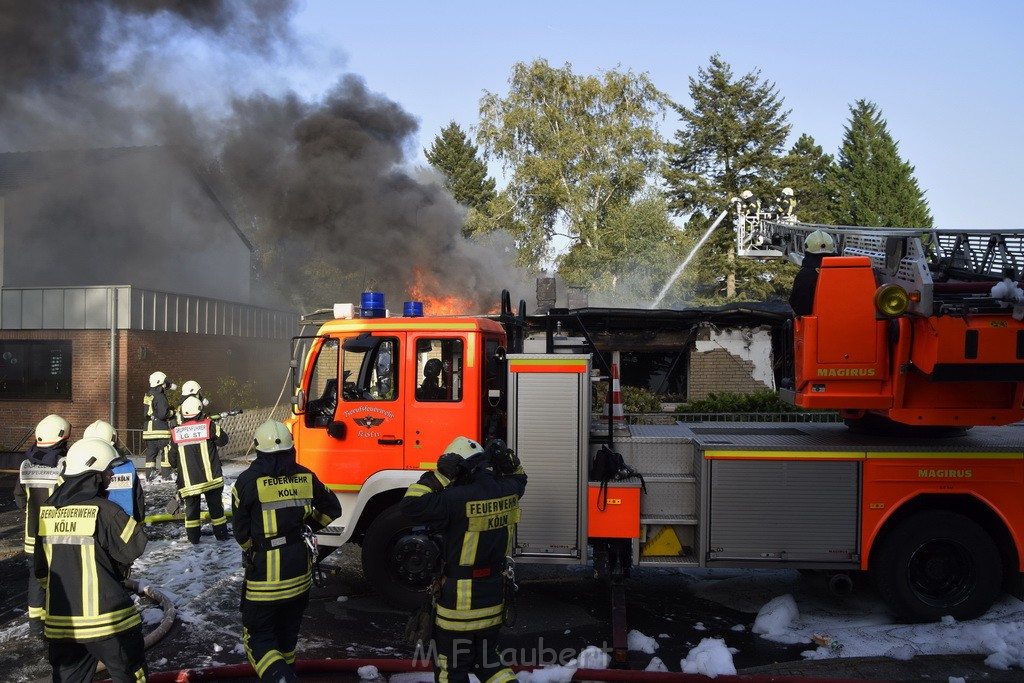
88,455
51,430
272,436
819,242
464,446
191,407
101,430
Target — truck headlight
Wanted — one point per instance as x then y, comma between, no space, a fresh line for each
891,300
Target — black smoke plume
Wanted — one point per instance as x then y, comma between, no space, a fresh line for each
321,187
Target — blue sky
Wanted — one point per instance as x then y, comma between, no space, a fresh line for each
944,74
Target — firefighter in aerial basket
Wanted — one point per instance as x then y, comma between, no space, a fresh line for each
124,488
159,418
472,500
37,477
277,505
817,246
194,456
85,549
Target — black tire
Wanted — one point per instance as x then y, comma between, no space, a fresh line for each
935,564
379,566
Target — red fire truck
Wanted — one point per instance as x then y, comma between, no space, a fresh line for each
909,329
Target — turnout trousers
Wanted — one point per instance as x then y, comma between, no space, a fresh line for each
215,505
156,456
460,653
124,655
270,632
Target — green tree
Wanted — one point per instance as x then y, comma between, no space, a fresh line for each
574,146
641,248
731,140
876,187
811,173
465,173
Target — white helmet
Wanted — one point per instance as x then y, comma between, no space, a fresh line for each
157,378
51,430
746,194
464,446
787,191
190,388
101,430
271,437
191,407
819,242
88,455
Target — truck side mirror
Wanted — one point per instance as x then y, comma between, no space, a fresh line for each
299,400
336,430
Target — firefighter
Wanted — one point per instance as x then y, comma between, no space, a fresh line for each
787,205
159,416
194,456
472,500
85,550
125,489
37,478
192,388
277,505
817,246
751,205
431,389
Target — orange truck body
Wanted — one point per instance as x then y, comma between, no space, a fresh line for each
947,370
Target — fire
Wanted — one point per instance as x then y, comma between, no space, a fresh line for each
436,304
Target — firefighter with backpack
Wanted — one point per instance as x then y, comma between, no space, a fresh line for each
472,500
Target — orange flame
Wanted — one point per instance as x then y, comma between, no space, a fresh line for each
436,304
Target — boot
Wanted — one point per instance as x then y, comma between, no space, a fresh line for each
193,534
220,531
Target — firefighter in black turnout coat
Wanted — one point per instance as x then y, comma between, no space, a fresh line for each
37,478
472,499
276,505
194,456
159,416
84,550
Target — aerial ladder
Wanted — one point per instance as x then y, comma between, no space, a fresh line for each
909,326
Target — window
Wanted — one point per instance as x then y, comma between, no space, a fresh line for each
370,367
439,370
323,386
35,369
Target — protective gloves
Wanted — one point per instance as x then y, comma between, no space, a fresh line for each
449,466
502,458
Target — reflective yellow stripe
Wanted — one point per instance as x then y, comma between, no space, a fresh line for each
470,542
128,530
463,594
416,490
90,582
503,676
464,614
468,625
442,668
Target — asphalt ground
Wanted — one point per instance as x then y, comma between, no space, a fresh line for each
560,611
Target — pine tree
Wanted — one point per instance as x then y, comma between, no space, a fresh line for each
731,140
466,175
876,187
811,173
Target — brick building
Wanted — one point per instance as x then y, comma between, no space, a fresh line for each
116,263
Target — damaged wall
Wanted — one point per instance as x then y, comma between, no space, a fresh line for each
735,360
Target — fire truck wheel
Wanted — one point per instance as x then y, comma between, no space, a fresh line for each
389,549
935,564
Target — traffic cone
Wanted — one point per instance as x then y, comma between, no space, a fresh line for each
614,397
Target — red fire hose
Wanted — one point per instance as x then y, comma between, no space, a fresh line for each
312,666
